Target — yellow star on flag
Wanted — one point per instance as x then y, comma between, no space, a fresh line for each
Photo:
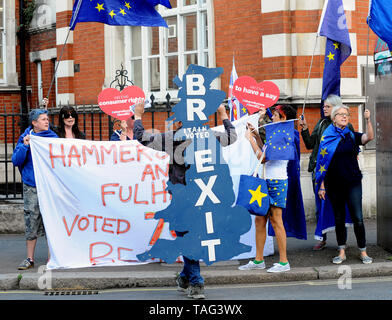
127,5
257,195
112,14
322,138
322,169
99,7
323,152
336,45
122,12
331,56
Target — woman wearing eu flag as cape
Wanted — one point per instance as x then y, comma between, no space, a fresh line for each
339,176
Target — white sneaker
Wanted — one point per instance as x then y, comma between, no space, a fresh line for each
251,266
279,268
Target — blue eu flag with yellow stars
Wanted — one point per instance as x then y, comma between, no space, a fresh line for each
380,19
338,46
119,12
280,141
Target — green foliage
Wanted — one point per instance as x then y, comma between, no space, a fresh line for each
28,14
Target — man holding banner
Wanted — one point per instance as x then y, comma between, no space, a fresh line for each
21,158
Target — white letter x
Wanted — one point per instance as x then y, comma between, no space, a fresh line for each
206,191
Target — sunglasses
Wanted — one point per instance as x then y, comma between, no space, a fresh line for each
69,115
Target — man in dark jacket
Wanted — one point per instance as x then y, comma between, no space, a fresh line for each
190,278
21,158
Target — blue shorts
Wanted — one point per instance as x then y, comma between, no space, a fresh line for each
277,190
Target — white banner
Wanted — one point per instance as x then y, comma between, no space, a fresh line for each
98,198
241,159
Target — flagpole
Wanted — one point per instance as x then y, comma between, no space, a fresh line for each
62,50
314,50
367,69
272,123
310,69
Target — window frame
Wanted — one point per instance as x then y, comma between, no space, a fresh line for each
3,80
203,11
40,89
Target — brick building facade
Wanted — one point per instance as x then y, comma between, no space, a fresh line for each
269,39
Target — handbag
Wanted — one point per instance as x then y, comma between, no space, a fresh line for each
253,192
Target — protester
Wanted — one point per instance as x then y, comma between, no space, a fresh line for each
312,142
339,176
21,157
68,122
189,278
126,130
277,179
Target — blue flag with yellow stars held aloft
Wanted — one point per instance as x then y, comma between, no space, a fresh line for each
380,19
338,46
119,12
280,141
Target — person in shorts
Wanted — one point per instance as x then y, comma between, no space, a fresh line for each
21,158
277,183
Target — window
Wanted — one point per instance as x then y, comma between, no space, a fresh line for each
39,82
2,41
155,56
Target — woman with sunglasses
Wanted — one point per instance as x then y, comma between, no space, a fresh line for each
68,124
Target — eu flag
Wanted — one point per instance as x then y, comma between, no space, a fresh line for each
338,47
293,215
119,12
380,19
328,145
165,3
280,141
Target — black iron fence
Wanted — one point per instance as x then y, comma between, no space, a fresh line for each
92,121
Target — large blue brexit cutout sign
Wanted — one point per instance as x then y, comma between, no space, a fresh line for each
202,210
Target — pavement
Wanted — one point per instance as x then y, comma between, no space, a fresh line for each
306,265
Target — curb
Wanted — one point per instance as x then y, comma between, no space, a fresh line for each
50,280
